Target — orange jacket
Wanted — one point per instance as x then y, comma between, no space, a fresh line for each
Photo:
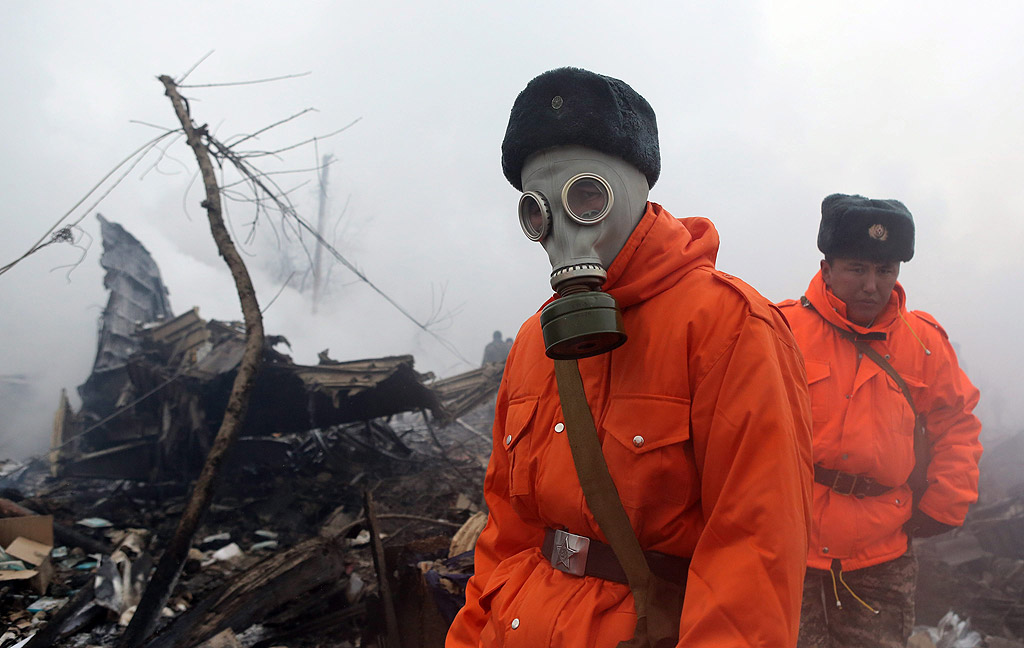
864,425
712,380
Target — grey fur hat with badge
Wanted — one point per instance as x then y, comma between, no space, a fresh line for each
865,228
574,106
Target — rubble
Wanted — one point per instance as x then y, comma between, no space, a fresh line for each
977,571
951,632
176,388
329,453
318,581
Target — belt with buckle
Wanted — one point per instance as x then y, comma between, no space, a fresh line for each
582,556
846,483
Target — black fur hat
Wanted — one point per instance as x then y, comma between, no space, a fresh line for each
863,228
574,106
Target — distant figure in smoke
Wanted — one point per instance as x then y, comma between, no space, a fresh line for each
497,349
885,386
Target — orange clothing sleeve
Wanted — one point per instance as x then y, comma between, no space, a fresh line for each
752,439
953,430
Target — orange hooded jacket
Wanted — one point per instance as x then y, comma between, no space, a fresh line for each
712,381
864,425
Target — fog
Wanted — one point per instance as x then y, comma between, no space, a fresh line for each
763,109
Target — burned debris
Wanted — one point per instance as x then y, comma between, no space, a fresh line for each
176,388
978,570
285,552
348,482
285,549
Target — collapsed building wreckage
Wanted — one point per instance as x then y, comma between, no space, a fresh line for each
323,447
159,386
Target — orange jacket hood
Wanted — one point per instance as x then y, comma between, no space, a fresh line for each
661,249
658,253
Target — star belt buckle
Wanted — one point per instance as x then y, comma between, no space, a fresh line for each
569,553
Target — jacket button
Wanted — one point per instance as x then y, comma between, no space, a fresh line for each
559,427
824,550
638,440
515,623
508,439
845,456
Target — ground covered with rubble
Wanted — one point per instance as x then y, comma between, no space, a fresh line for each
285,556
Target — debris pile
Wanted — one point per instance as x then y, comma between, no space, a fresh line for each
334,518
286,551
952,632
978,570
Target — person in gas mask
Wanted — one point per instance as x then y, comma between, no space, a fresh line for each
693,382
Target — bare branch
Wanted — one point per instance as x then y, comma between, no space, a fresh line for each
83,248
283,286
192,69
274,125
124,175
138,153
156,126
238,83
286,209
160,158
267,174
184,195
300,144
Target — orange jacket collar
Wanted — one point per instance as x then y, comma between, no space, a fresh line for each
658,253
833,309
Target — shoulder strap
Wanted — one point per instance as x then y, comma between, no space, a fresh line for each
866,349
657,605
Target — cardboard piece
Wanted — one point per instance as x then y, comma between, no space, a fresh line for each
29,550
30,539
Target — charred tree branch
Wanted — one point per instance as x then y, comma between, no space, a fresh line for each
169,568
393,638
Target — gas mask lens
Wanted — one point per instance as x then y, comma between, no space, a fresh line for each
587,198
534,215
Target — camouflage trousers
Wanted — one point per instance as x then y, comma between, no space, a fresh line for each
888,588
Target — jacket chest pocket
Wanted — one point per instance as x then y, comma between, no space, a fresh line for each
518,421
647,447
901,415
818,373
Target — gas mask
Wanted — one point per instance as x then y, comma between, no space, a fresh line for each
581,205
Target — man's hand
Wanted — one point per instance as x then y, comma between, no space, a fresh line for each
922,525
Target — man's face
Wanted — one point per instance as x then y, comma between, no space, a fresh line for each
864,286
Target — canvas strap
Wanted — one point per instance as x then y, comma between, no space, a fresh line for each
658,602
